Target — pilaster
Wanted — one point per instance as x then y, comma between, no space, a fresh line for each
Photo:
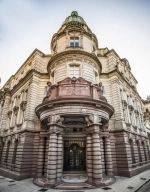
97,164
59,157
108,157
40,168
89,165
54,166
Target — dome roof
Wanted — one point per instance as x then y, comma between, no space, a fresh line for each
74,17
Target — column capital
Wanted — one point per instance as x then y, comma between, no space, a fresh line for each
94,128
56,129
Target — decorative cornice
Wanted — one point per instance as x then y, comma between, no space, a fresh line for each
25,79
69,52
71,101
117,72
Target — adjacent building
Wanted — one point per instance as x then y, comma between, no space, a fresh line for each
73,115
146,106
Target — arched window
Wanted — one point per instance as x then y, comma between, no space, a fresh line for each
7,151
132,151
15,151
139,151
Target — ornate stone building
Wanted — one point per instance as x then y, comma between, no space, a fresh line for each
146,106
73,116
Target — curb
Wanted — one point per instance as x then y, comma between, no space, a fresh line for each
142,185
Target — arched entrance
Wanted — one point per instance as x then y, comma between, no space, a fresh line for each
74,157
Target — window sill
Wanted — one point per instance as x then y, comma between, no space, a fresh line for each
76,48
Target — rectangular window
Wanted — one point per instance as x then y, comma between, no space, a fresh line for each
74,71
74,41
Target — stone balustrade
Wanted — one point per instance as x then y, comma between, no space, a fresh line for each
74,87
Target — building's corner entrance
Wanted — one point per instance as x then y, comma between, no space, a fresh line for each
74,156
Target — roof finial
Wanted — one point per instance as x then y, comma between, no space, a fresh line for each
74,13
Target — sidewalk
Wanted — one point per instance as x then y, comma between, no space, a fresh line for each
122,184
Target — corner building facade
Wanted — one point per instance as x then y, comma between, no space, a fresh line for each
73,116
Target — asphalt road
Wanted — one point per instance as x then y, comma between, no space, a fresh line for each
145,188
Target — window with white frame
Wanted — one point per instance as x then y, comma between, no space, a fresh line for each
74,71
74,41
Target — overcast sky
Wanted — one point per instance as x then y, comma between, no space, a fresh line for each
122,25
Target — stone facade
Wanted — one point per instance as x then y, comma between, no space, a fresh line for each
146,107
76,111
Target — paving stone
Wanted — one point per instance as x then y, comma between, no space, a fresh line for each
120,185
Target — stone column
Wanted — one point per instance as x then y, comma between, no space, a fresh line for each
52,160
59,157
89,157
108,157
102,154
40,168
97,164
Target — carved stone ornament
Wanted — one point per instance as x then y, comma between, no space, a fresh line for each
148,97
129,135
124,103
99,119
9,114
100,92
89,120
6,91
59,120
49,91
131,108
105,126
9,138
23,105
49,119
49,85
15,109
16,137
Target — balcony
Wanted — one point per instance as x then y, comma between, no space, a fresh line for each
74,88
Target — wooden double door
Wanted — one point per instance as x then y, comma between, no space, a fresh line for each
74,156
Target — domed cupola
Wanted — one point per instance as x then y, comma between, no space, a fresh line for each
74,34
74,50
74,17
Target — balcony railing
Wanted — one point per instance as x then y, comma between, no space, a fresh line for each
74,88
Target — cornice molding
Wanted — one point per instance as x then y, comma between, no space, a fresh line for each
49,105
121,78
74,52
25,79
